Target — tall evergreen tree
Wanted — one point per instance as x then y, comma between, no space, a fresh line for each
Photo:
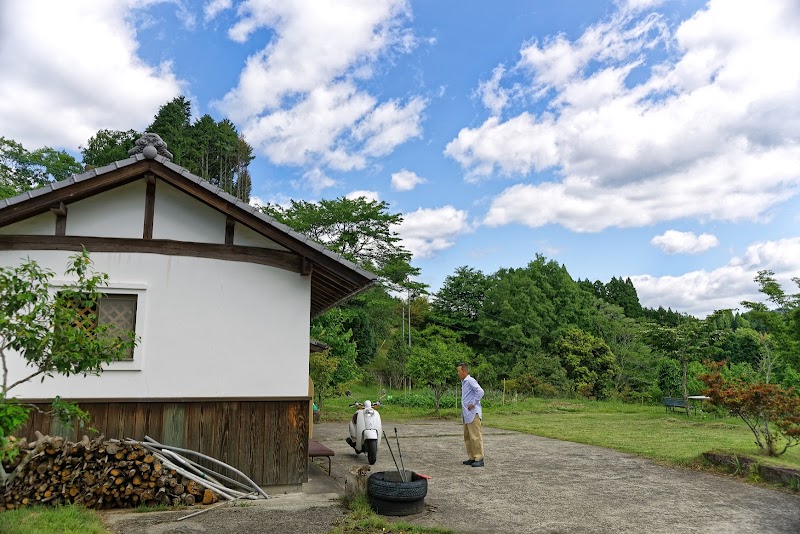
172,123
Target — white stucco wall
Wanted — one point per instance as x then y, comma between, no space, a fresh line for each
210,328
115,213
182,218
44,224
242,235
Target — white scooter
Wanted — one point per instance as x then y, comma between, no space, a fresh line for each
365,428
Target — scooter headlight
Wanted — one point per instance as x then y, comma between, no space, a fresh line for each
369,412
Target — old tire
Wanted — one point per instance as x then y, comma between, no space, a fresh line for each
380,488
385,507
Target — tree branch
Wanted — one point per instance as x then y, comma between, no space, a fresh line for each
18,382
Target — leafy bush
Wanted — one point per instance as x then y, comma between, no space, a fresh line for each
771,412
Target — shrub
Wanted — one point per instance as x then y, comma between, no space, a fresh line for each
771,412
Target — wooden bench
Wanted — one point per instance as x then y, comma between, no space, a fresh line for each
670,403
317,449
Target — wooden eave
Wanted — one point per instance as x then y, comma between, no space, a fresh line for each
333,279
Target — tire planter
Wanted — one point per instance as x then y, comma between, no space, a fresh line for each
388,495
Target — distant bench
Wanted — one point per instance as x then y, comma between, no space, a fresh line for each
317,449
670,403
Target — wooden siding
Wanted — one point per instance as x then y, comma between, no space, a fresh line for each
266,440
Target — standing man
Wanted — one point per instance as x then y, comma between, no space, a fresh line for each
471,413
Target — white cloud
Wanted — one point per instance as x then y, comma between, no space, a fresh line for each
309,130
406,180
426,231
59,87
372,196
314,43
257,201
493,96
675,242
390,125
300,97
716,121
316,180
699,293
215,7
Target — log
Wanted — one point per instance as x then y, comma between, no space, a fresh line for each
96,473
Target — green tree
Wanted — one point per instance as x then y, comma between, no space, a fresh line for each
588,361
337,364
172,123
107,146
669,377
524,309
783,322
361,230
212,150
680,343
458,303
43,326
623,294
22,170
434,358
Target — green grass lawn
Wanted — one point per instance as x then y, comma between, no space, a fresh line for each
51,520
645,430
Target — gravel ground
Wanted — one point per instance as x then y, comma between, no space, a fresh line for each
529,484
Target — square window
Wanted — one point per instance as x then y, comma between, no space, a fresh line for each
118,311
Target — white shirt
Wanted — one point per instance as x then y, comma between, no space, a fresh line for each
471,393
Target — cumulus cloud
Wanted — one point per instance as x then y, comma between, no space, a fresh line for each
389,125
699,293
675,242
316,180
59,87
300,98
714,121
427,231
372,196
406,180
493,96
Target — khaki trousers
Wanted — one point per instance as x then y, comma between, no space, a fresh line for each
473,439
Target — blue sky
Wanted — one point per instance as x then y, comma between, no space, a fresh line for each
658,140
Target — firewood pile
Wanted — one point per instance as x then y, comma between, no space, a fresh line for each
107,473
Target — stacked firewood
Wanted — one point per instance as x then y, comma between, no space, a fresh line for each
96,473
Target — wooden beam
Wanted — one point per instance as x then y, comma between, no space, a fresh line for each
230,224
60,211
149,206
222,205
72,193
288,261
307,267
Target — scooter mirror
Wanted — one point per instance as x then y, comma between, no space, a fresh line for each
347,393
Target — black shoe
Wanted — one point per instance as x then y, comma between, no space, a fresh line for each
477,463
350,442
468,462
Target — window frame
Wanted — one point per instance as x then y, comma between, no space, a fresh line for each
124,288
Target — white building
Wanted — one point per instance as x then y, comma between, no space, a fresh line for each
220,295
